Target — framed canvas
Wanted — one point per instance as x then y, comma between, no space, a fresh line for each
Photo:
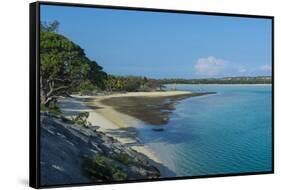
122,94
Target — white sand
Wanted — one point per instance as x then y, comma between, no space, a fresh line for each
147,94
110,121
120,120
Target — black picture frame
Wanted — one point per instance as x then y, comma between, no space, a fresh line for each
34,93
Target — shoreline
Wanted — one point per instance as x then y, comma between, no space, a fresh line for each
153,108
114,123
119,118
217,84
119,126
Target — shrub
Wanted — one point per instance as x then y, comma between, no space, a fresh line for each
81,118
52,108
86,88
102,168
122,157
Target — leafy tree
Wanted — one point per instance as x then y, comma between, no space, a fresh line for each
96,75
63,65
49,26
86,87
110,83
132,83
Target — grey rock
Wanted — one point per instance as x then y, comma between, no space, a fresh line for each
64,144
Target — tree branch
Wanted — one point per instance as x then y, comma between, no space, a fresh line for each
54,90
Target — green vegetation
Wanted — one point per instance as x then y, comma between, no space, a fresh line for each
224,80
53,109
49,27
102,168
131,83
85,88
97,76
122,157
64,67
81,119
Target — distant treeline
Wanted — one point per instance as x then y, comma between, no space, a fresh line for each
225,80
131,83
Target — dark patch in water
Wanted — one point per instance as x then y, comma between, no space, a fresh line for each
151,110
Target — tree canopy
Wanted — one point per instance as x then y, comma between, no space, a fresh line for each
64,66
96,75
49,27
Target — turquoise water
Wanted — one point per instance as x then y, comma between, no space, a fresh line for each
227,132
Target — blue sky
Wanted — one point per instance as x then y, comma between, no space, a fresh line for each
167,45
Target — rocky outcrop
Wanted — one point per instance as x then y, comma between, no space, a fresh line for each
72,153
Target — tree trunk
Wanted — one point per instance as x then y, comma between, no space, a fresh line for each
42,94
45,89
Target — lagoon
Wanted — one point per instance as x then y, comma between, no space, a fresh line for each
223,133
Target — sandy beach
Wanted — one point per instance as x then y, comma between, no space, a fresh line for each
112,122
108,106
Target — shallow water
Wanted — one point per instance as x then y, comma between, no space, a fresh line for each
227,132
